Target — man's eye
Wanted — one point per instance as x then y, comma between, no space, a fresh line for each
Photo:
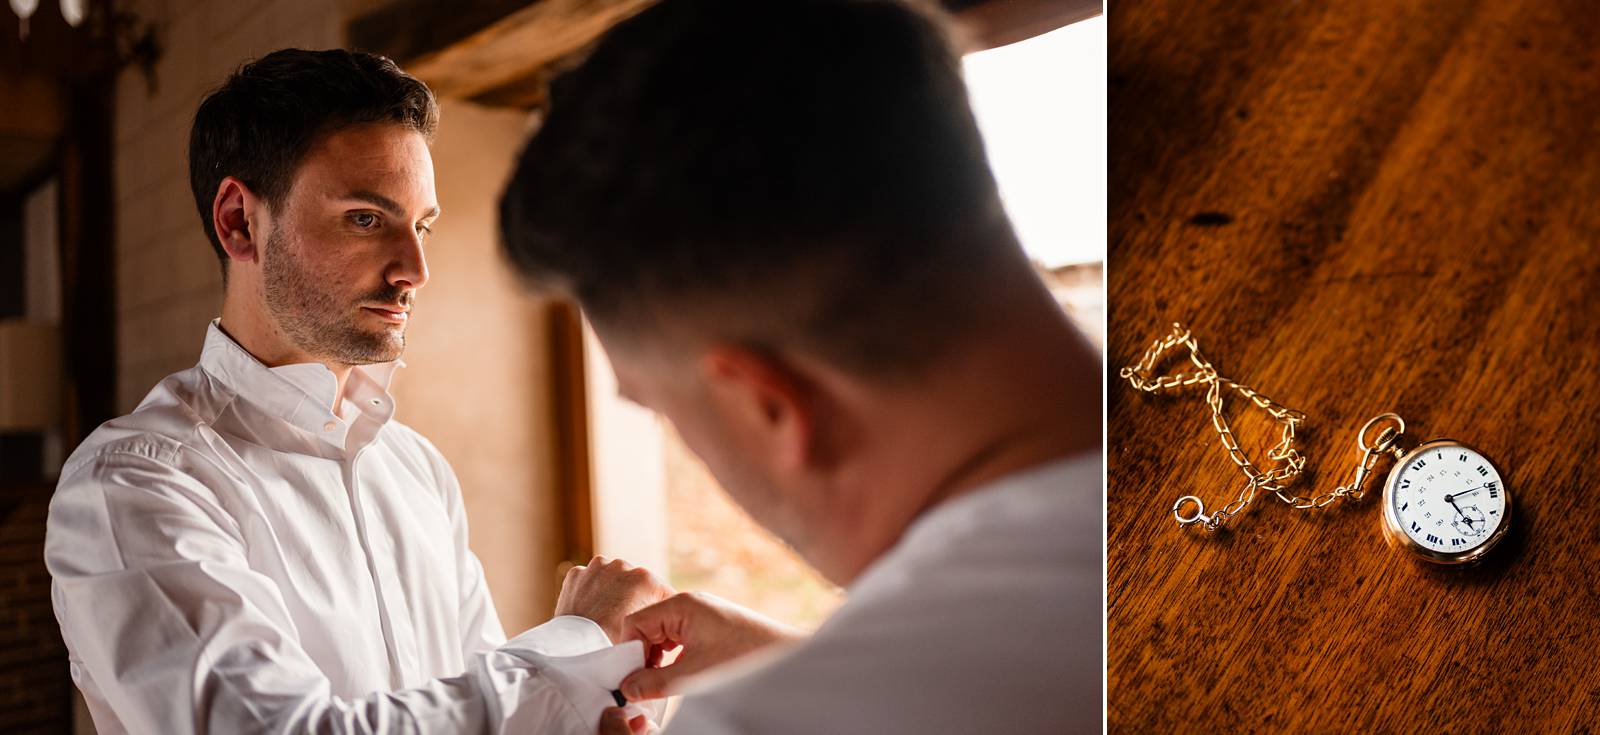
364,220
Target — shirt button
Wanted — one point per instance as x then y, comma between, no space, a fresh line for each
330,426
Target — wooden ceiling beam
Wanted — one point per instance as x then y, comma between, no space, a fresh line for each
531,92
520,44
994,23
502,52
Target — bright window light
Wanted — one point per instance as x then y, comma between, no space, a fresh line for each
1041,105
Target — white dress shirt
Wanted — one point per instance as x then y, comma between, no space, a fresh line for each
233,557
984,618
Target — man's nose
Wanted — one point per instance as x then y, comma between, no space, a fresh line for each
409,270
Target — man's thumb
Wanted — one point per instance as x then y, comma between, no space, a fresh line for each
648,684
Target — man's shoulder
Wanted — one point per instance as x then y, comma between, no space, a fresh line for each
146,461
164,421
905,669
988,620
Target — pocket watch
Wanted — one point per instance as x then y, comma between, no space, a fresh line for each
1444,501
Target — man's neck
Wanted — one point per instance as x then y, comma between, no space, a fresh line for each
1050,408
1008,456
249,329
1026,397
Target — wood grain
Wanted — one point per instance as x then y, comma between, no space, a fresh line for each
1358,207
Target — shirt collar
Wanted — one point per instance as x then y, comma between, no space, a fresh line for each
1049,481
984,511
301,394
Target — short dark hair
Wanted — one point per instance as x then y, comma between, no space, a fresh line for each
800,173
261,122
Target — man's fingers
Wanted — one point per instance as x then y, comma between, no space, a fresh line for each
613,721
668,620
666,681
647,624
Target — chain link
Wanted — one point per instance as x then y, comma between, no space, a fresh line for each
1289,463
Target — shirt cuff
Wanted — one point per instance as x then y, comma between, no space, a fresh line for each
565,635
559,677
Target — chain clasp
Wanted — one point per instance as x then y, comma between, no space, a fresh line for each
1199,516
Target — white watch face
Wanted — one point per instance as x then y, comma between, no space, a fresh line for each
1448,498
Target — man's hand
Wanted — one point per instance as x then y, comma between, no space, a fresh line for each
710,630
606,590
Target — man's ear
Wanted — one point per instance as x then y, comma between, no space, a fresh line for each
236,214
766,401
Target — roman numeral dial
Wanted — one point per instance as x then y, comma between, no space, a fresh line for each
1445,501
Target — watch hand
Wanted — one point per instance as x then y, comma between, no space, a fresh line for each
1471,524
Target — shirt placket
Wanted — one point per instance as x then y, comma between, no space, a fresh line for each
378,546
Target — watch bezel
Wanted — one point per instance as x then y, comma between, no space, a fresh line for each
1396,536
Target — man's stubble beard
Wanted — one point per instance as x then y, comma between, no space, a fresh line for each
320,323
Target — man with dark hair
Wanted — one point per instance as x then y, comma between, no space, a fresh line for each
779,217
260,547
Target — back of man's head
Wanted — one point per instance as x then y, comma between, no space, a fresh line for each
802,175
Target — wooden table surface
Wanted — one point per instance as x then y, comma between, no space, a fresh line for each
1358,207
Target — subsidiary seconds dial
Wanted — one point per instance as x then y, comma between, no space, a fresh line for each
1446,502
